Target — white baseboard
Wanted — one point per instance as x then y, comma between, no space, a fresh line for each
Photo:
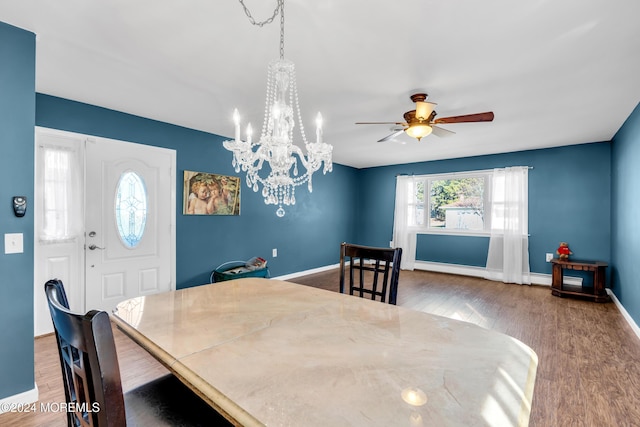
439,267
466,270
20,399
625,313
306,272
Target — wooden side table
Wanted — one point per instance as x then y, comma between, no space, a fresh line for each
597,292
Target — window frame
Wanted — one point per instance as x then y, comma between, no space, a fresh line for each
427,181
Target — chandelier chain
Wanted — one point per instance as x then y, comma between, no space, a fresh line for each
281,3
266,21
279,9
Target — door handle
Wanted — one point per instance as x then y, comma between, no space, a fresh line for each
94,247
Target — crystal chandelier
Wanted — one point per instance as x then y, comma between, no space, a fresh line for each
275,146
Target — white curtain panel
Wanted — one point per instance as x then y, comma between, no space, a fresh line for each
61,194
508,257
402,236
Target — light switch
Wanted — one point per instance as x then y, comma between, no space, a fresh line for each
13,243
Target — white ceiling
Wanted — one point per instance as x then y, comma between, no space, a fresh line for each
554,72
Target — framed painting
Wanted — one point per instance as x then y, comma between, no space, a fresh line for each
210,194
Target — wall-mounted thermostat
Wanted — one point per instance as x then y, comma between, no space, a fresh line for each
19,205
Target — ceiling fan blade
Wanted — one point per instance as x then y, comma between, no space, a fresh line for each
381,123
478,117
393,135
441,132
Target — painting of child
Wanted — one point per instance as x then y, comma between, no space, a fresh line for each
211,194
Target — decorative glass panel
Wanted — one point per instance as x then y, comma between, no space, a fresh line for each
131,208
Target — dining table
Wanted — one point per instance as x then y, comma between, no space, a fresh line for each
267,352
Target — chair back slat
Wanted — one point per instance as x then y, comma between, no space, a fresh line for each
378,270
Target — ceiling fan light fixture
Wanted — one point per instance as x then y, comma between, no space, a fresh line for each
418,130
421,122
424,110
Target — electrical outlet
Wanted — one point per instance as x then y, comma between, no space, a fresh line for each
274,253
549,257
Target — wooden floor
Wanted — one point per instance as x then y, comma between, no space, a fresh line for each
589,357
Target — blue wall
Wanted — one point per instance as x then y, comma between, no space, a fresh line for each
569,199
17,114
568,192
625,214
308,236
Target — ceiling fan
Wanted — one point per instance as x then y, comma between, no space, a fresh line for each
421,121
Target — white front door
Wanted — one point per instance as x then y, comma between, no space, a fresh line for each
129,222
134,259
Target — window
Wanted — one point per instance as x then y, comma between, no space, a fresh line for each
131,208
60,195
451,203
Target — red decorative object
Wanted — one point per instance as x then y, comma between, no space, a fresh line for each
563,251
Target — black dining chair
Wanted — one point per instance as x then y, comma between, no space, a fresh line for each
91,376
372,272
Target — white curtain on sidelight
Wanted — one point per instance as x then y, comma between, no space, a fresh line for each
508,257
403,237
61,198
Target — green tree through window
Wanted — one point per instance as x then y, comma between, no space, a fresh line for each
460,193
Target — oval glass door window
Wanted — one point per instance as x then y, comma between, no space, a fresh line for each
131,208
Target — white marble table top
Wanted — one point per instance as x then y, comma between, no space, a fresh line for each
268,352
